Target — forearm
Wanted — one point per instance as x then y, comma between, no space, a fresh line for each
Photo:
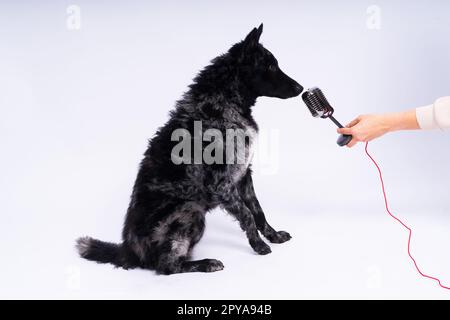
405,120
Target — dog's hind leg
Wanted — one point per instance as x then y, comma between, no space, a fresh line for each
176,236
205,265
175,260
235,205
248,194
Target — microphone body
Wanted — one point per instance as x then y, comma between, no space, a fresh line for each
319,106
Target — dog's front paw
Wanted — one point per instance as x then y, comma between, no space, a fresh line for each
278,237
260,247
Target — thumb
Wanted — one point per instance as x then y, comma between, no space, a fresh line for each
345,131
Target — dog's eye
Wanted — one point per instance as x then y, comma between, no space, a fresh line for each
272,68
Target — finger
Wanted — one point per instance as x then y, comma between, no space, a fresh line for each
348,131
352,143
353,122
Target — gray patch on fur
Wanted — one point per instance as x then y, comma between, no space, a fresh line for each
180,247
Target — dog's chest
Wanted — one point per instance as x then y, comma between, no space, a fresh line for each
244,151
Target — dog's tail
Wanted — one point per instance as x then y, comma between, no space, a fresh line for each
101,252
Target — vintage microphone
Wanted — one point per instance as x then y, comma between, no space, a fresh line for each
318,105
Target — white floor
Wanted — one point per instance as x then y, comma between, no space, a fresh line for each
336,256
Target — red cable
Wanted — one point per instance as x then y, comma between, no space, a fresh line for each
402,223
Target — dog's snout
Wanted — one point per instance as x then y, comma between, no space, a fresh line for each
298,89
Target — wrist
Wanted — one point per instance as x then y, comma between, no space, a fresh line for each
391,122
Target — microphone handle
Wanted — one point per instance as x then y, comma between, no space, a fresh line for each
343,139
336,122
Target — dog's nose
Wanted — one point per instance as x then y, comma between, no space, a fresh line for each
298,89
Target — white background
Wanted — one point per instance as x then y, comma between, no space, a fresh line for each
77,108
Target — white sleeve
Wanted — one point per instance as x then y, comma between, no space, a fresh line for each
435,116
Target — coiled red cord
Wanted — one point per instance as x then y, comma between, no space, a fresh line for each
401,222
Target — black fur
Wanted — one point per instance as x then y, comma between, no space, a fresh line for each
166,215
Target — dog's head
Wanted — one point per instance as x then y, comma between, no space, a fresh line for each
260,69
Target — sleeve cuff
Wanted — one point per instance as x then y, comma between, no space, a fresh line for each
442,112
425,117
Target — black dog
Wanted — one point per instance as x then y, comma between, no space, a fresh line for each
166,216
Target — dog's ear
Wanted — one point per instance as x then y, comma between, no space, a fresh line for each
252,39
260,30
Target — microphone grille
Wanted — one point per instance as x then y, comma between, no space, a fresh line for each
317,104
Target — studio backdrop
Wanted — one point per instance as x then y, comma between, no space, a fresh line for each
85,84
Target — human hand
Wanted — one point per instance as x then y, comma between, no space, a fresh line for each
366,128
